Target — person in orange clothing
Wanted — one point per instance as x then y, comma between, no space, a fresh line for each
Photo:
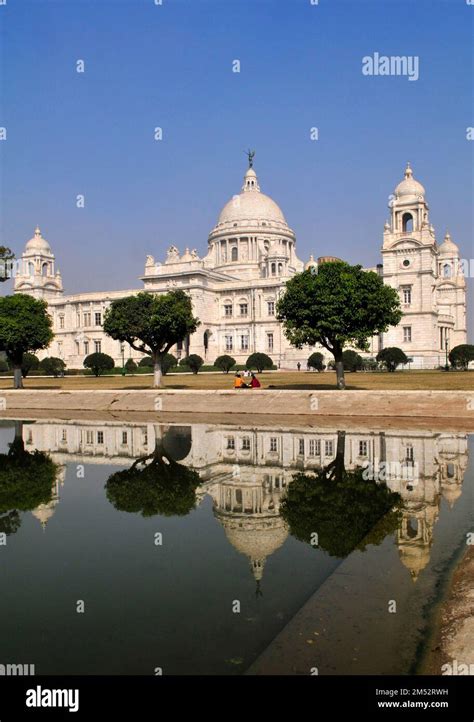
255,383
239,382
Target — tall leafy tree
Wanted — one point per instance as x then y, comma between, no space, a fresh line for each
151,324
340,305
25,326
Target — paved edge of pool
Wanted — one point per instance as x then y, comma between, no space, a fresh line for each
422,404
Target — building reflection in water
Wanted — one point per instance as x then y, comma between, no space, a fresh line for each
247,470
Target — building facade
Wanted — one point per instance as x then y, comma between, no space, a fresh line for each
236,286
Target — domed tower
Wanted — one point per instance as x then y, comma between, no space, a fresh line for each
451,295
36,274
252,238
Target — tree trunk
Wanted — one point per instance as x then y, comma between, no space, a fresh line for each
17,378
340,379
157,372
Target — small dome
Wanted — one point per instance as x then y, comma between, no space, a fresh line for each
409,187
448,246
38,244
311,263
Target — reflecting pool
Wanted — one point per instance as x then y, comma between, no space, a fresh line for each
140,548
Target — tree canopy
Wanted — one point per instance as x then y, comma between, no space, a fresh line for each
52,366
259,361
30,362
352,360
224,363
98,363
316,361
391,357
460,356
192,362
25,326
151,323
340,305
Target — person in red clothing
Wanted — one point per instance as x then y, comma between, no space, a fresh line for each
255,383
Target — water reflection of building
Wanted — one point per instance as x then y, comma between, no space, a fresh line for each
44,512
246,471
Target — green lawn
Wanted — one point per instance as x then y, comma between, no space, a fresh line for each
400,380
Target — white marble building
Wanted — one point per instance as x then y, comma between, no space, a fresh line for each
235,287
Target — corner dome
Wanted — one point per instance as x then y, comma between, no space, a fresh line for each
38,244
448,246
251,205
409,187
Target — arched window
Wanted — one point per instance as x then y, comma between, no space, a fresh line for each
44,269
280,269
446,271
407,222
31,269
450,471
235,254
273,269
412,528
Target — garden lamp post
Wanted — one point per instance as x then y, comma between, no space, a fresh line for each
122,348
446,348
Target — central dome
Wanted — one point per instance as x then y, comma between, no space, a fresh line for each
251,205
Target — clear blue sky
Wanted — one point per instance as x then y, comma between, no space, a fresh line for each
171,66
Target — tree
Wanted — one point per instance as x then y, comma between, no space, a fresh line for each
52,366
169,362
337,306
343,508
29,363
4,365
316,361
6,260
259,361
151,324
460,356
391,357
25,326
98,363
352,360
193,362
224,363
154,484
130,366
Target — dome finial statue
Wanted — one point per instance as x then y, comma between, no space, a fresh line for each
251,155
408,171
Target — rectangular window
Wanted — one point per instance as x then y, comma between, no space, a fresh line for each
328,448
246,443
314,447
301,447
243,309
64,436
362,448
98,346
271,308
407,334
228,309
98,319
89,437
244,343
86,348
270,341
100,437
78,319
87,319
230,442
124,437
273,443
410,454
229,343
61,321
407,295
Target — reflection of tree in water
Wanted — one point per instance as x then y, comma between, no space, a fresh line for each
26,481
346,511
157,484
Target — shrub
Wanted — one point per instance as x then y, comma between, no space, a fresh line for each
259,361
391,357
369,364
146,361
192,362
224,363
98,363
169,362
29,363
461,355
52,366
316,362
352,360
130,366
3,365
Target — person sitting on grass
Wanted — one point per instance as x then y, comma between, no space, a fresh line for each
255,383
239,383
